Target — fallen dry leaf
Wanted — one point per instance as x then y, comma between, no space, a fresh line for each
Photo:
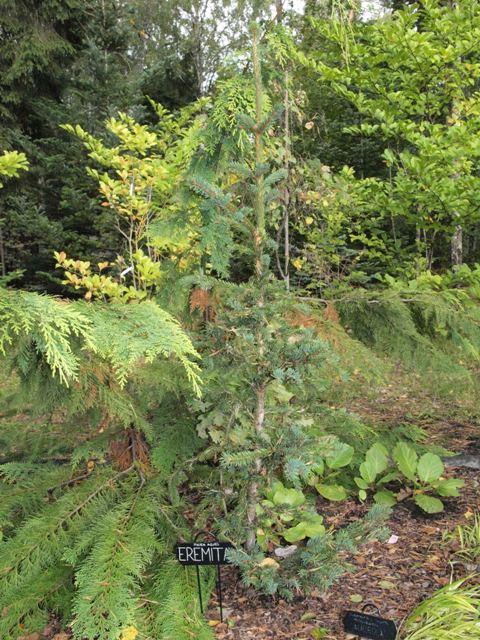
268,562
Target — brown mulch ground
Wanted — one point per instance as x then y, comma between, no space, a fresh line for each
446,422
394,577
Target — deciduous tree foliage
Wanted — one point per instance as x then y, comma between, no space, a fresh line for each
414,84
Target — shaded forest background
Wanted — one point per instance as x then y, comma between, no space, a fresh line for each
81,62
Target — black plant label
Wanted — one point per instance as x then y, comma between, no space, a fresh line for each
370,627
202,553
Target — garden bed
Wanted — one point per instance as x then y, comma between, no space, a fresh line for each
393,577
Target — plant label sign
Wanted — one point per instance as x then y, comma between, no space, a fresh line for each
202,553
369,627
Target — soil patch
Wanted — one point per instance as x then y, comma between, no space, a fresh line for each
394,577
445,422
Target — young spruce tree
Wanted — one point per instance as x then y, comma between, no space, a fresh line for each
265,373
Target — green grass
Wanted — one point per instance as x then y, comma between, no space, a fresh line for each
452,613
467,539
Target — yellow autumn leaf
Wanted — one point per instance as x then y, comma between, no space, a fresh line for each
268,562
129,633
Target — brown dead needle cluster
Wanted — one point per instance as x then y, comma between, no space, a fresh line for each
201,300
326,326
129,449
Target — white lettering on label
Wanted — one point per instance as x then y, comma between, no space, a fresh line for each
206,553
201,553
181,555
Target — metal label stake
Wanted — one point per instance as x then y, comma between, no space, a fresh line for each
219,591
199,586
204,554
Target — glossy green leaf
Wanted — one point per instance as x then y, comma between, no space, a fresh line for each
388,477
429,503
430,467
385,497
449,487
341,457
319,467
376,461
360,482
333,492
406,459
367,471
311,527
288,497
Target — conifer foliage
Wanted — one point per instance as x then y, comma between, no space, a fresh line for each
58,333
187,389
79,541
85,539
263,387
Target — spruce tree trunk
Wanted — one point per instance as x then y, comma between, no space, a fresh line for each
286,191
253,487
259,240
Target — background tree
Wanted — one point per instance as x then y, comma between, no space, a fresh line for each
11,162
43,87
82,62
417,90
